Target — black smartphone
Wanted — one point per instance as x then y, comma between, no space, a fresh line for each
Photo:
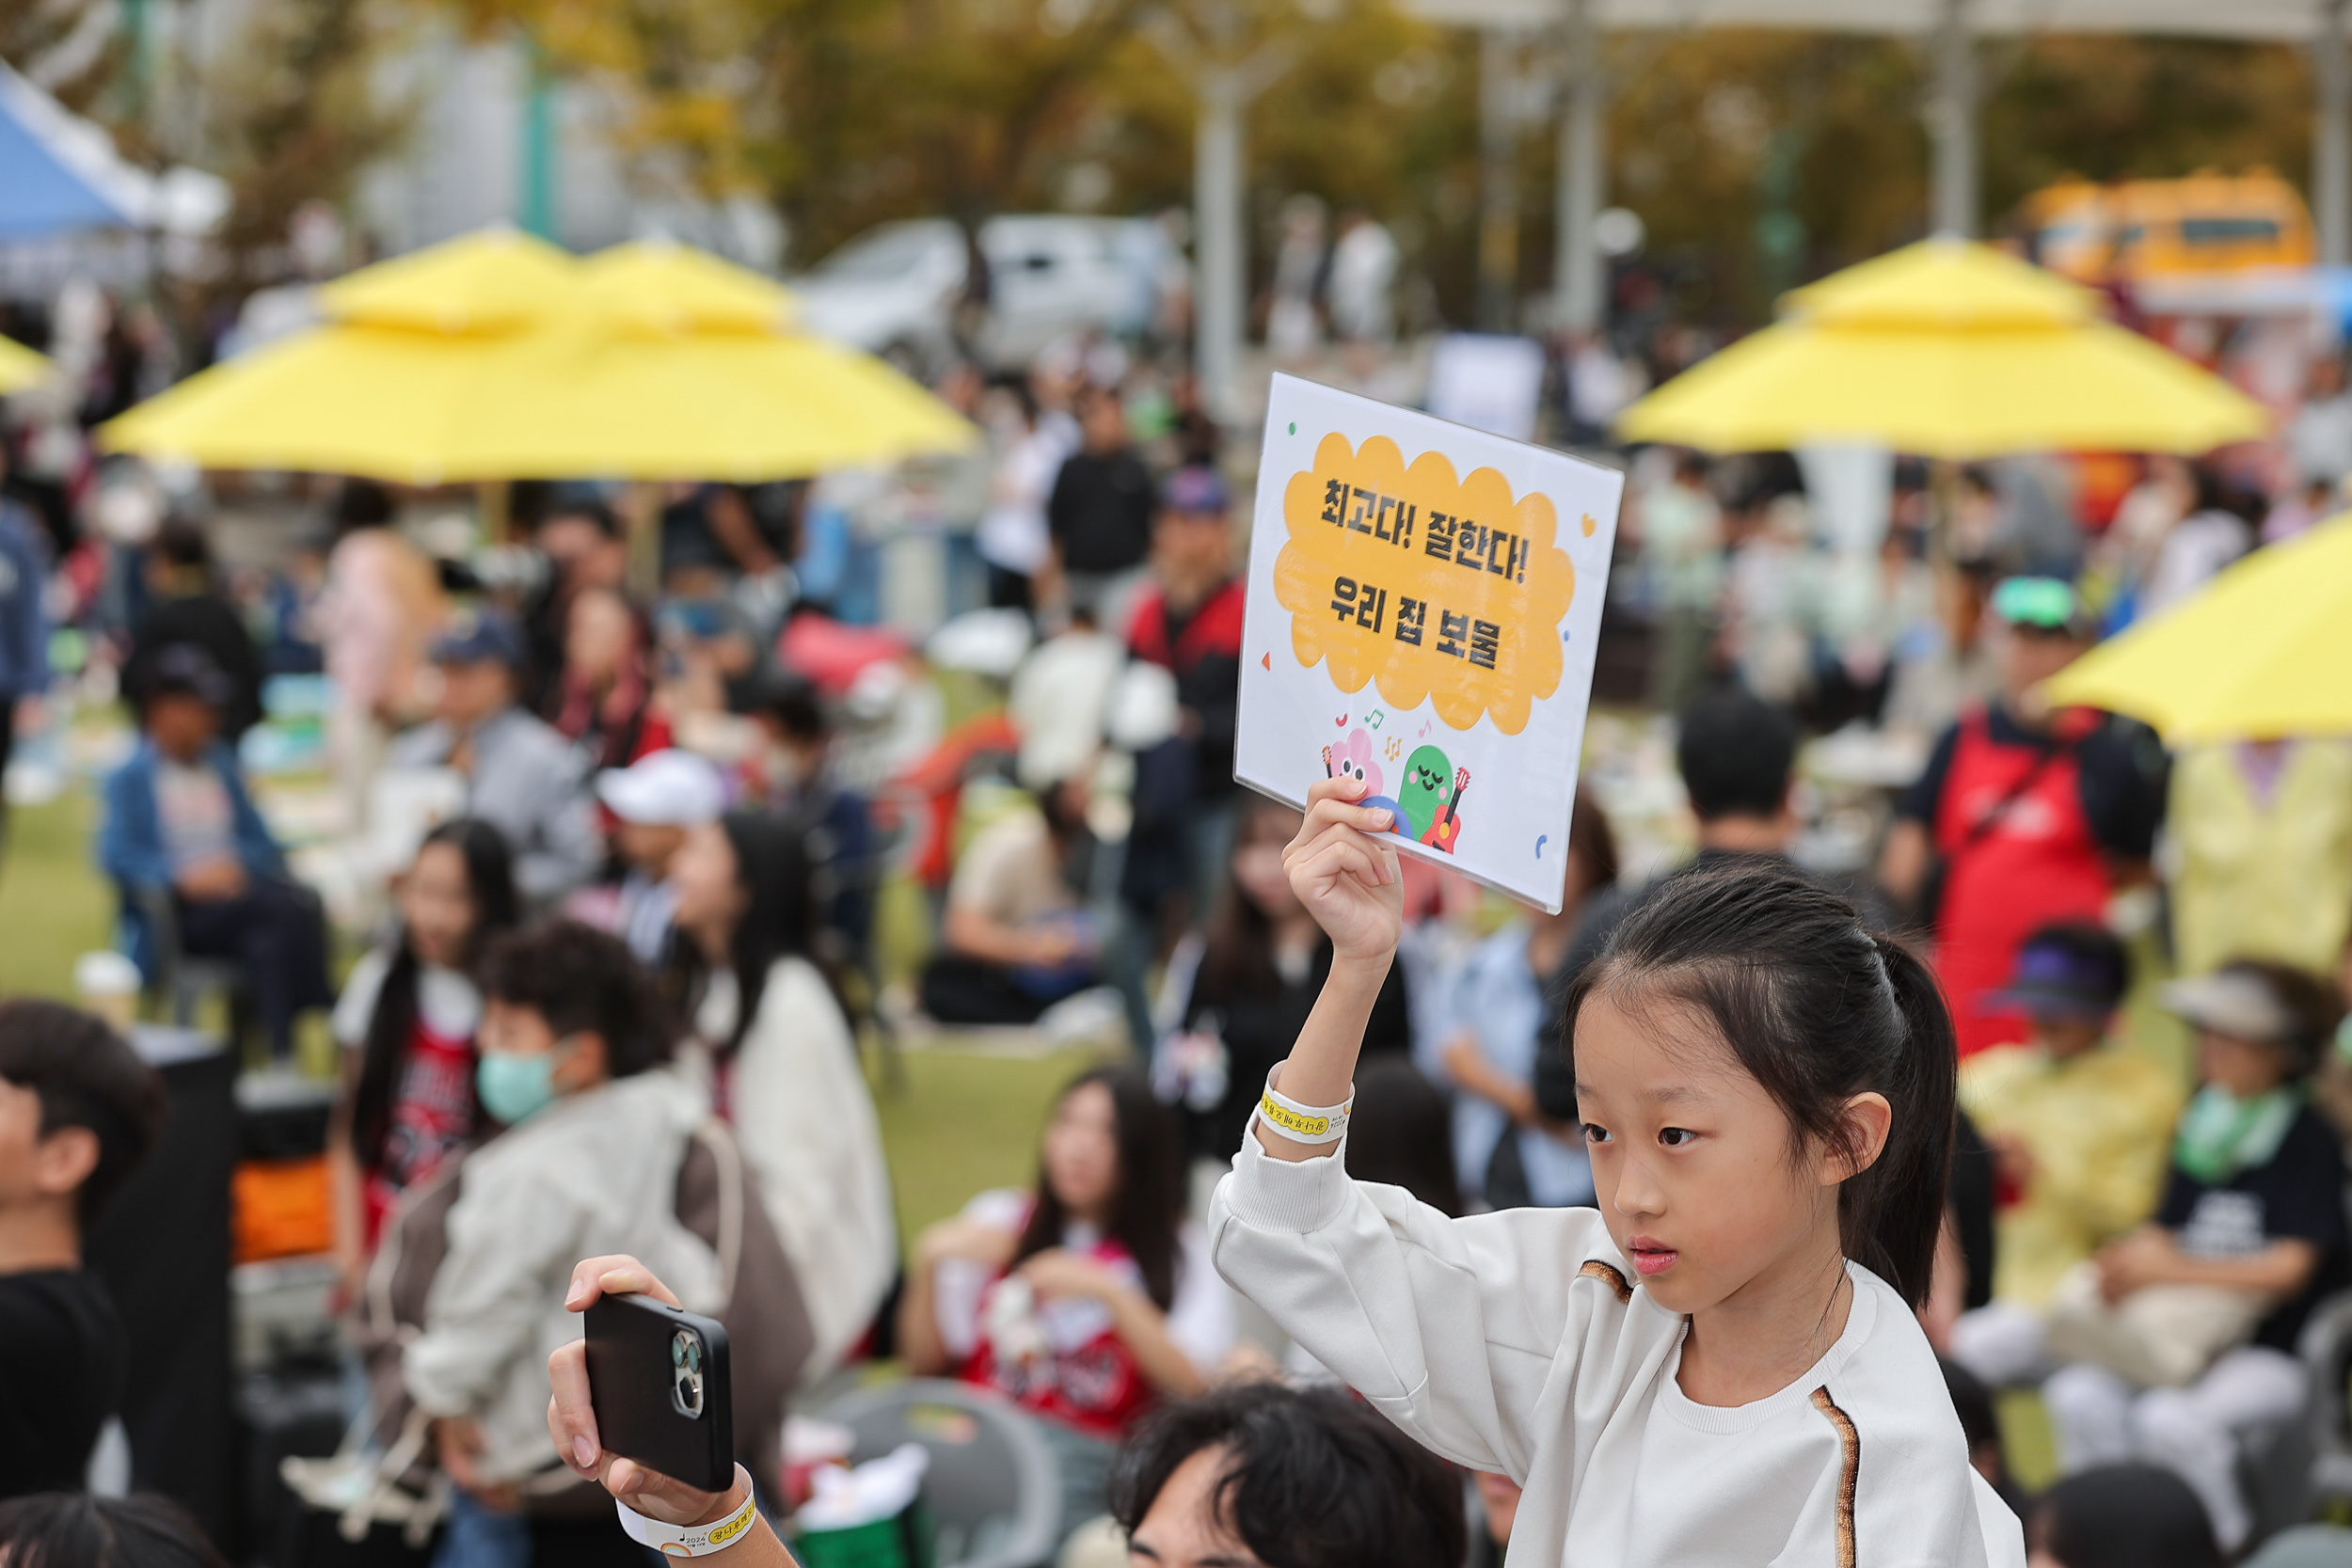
657,1381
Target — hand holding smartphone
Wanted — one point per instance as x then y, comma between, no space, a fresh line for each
657,1382
682,1498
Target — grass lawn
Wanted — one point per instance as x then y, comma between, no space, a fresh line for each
54,904
964,1122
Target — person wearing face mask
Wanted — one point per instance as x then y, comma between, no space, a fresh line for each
771,1038
570,1037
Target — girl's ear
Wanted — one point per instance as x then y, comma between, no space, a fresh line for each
1865,1123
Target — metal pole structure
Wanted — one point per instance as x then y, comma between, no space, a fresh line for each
1952,123
1498,180
1576,270
535,200
1217,201
2332,137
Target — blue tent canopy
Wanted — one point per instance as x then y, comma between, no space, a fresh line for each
42,191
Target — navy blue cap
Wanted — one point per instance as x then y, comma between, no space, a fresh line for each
2057,978
480,637
186,670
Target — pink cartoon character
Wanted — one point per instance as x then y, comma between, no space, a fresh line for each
1352,758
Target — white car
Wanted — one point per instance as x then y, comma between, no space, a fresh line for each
893,290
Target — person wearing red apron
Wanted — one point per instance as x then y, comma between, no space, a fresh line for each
2029,813
2018,854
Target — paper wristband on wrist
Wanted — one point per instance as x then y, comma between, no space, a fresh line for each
1306,1124
692,1540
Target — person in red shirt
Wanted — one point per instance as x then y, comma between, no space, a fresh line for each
1189,623
2026,814
604,699
1086,1300
407,1022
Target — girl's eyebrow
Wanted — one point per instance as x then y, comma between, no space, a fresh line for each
1672,1094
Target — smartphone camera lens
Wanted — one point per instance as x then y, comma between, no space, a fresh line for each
686,1388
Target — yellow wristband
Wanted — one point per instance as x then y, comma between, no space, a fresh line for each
1306,1124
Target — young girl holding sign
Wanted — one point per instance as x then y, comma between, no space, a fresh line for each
1720,1365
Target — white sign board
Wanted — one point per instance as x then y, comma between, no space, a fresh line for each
1424,604
1487,382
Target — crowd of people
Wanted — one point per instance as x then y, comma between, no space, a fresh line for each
617,807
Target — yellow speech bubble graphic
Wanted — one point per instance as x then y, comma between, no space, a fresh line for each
1429,586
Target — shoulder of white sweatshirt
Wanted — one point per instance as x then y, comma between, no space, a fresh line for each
1517,1342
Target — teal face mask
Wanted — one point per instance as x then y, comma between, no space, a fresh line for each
515,1089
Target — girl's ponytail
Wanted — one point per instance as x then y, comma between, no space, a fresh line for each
1891,1214
1817,1010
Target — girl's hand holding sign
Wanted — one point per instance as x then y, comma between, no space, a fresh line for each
1348,880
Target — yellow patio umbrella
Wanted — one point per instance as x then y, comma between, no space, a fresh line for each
494,357
1952,350
400,383
682,366
2262,653
19,367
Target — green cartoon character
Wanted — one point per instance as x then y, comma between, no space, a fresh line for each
1430,795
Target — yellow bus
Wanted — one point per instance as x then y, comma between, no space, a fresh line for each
2141,229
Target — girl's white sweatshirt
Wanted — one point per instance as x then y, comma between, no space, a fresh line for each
1513,1343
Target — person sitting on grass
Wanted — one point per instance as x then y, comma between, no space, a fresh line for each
1017,937
181,822
1085,1301
406,1023
654,803
570,1037
78,1110
2253,1204
2079,1127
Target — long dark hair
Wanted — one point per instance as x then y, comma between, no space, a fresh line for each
1237,951
490,882
1401,1132
771,866
1816,1008
1150,1196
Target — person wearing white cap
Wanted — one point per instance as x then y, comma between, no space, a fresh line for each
2253,1205
655,802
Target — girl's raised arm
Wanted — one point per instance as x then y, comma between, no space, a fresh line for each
1347,878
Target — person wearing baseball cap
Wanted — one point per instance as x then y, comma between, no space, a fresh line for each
182,825
2025,815
2253,1204
655,801
1189,623
2081,1128
521,775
